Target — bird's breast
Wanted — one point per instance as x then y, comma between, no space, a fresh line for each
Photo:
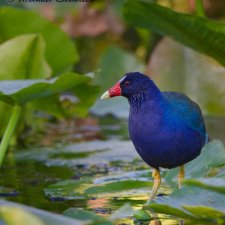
163,143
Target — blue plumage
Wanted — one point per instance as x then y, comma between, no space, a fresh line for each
166,128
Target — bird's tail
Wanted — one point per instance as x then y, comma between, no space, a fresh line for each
207,139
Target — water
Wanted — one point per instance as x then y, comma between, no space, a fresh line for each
96,150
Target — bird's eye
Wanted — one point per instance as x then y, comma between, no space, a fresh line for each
127,83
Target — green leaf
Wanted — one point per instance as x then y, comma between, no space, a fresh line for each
192,202
80,214
123,212
87,96
202,166
17,216
60,50
23,57
199,33
112,71
22,91
86,215
117,186
212,183
32,215
115,63
67,189
142,215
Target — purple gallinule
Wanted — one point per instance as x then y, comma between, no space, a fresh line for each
166,128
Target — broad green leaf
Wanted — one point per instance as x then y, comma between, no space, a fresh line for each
60,50
66,190
211,157
22,91
115,63
73,189
23,57
17,216
212,183
123,212
199,33
117,186
87,96
192,202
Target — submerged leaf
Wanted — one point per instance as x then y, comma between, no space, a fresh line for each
81,214
66,190
86,215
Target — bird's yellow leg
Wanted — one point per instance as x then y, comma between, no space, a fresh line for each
157,180
181,176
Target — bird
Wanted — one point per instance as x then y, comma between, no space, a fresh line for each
167,128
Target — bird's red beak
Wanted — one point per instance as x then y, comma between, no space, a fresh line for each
112,92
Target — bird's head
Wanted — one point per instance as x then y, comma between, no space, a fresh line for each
131,85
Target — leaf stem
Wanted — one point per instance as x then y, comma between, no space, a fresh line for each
199,8
9,132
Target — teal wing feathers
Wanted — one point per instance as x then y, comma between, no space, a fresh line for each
190,112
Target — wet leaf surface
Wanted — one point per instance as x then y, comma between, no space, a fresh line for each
211,157
192,202
101,176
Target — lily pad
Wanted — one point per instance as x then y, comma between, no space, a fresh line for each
101,153
118,186
123,212
193,202
86,215
66,190
80,214
211,183
211,157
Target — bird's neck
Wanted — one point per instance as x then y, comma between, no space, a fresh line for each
146,100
